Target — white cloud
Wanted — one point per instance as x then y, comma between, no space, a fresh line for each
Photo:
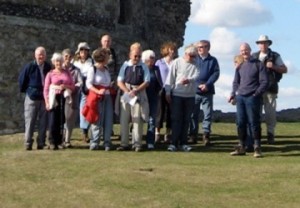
229,13
224,43
292,69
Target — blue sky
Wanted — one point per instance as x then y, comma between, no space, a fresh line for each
228,23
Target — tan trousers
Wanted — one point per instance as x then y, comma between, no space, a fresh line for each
269,106
133,114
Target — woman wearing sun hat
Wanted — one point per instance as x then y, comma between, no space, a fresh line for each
84,62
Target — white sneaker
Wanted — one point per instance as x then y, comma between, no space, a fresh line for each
186,148
150,146
107,148
172,148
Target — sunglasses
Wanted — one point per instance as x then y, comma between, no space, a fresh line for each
137,56
204,46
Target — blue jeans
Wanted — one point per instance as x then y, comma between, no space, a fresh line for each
248,113
153,105
206,101
104,123
84,124
182,108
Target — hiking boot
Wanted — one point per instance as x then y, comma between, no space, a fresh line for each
122,148
270,138
192,139
157,138
138,149
206,139
257,152
28,147
239,150
85,138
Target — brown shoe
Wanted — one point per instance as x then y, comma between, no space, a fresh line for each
206,139
192,139
239,150
157,138
257,152
85,138
271,139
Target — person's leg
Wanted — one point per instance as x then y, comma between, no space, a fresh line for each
125,119
194,121
97,127
84,124
30,115
270,104
188,104
253,113
43,125
241,122
108,121
242,119
207,106
151,123
71,117
177,115
137,131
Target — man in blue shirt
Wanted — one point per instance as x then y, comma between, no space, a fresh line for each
209,74
249,84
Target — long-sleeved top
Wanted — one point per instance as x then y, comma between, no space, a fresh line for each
250,79
77,79
155,84
31,79
181,69
58,78
164,69
209,73
84,67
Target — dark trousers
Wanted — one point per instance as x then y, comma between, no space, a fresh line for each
56,121
248,117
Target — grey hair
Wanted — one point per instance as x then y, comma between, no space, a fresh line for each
57,57
147,54
190,49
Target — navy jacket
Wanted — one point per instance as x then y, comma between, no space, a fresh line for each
250,79
209,73
30,81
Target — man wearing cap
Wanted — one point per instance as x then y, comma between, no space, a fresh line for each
275,68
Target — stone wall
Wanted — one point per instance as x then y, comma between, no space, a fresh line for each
59,24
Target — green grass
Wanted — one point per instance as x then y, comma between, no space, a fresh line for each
206,177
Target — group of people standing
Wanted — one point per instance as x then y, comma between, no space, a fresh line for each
170,90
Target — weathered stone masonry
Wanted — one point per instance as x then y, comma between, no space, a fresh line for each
58,24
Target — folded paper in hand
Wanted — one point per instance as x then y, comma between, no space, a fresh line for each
126,98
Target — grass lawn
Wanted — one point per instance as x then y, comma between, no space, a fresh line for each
205,177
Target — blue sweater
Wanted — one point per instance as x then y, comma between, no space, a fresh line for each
209,73
250,79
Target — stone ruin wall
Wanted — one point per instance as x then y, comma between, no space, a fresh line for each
59,24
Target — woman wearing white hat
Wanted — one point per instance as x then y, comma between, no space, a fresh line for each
84,62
